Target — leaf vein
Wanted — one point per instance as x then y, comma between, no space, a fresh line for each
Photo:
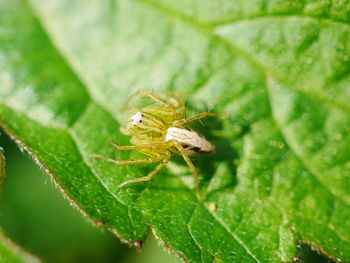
234,236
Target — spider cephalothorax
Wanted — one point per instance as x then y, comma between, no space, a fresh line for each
159,132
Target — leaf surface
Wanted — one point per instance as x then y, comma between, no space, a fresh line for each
278,70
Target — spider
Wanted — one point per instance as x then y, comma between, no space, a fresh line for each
158,132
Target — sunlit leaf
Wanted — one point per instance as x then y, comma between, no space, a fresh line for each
277,70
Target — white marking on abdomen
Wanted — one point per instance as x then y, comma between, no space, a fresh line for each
189,138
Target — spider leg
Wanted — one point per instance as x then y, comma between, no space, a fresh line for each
196,117
158,145
190,165
176,102
137,161
150,95
151,174
147,94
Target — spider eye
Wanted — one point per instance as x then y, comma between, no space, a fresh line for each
136,118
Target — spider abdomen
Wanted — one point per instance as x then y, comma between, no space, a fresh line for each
191,141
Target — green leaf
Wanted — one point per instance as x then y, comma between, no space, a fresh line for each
11,253
278,70
2,166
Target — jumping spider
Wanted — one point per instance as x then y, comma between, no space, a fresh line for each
158,132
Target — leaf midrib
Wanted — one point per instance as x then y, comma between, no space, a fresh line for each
280,16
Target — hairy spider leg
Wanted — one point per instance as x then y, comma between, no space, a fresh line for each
196,117
145,146
167,114
174,102
177,103
151,174
154,159
147,94
189,163
152,97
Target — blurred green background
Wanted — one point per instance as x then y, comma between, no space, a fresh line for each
34,214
